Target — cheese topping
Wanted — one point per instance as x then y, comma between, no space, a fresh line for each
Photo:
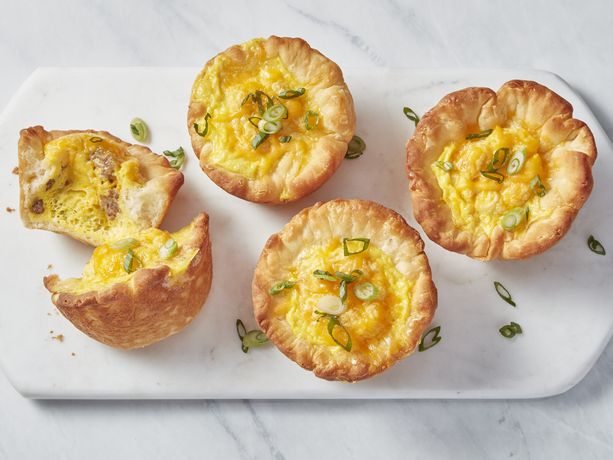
478,203
376,326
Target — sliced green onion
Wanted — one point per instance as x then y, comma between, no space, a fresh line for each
253,338
275,113
355,274
285,139
444,165
595,246
258,98
366,291
254,121
504,293
499,159
493,175
510,330
280,286
178,157
355,148
512,219
95,139
291,93
342,293
537,186
411,115
479,135
436,338
516,162
246,98
365,243
330,304
139,129
168,249
205,131
311,119
124,244
324,275
128,261
334,322
258,139
269,127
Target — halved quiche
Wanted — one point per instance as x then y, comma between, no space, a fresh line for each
500,175
91,185
344,289
270,119
141,289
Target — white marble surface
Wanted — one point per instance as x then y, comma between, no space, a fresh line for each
568,38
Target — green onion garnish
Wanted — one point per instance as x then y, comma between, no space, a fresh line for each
275,113
504,293
205,131
257,98
269,127
595,246
355,148
139,129
436,338
510,330
355,274
253,338
512,219
124,244
479,135
444,165
168,249
537,186
499,159
330,304
285,139
95,139
324,275
364,246
493,175
178,157
366,291
280,286
334,322
128,261
342,293
311,119
516,162
258,139
291,93
254,121
411,115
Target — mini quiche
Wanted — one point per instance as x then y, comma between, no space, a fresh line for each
271,119
141,289
345,289
91,185
500,175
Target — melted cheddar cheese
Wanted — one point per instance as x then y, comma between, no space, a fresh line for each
81,186
375,326
477,203
106,265
222,88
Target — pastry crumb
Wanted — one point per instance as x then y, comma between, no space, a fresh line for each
59,337
9,209
73,354
49,267
15,170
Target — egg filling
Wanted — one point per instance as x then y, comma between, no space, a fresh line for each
376,326
118,261
482,195
224,90
82,186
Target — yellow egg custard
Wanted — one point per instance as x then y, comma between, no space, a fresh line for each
344,289
140,289
91,185
270,119
500,175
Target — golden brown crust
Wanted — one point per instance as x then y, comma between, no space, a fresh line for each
162,182
150,307
477,109
324,80
336,219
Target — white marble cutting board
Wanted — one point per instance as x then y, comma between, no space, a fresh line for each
564,297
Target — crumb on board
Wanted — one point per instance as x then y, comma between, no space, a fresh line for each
9,209
73,354
59,337
15,170
49,267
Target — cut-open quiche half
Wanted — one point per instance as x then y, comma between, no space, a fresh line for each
139,290
91,185
500,175
270,119
345,289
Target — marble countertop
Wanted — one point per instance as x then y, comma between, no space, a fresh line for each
572,42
